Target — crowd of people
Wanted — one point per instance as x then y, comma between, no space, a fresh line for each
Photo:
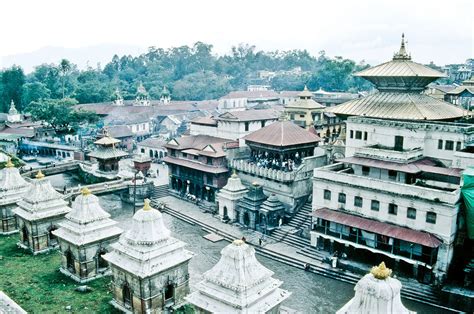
268,161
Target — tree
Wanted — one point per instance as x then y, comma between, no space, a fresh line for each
60,114
34,92
200,86
12,87
64,69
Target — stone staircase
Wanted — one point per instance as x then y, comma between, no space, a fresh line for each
159,191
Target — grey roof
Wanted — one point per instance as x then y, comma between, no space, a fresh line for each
106,153
443,88
153,142
399,106
282,133
119,131
250,115
263,94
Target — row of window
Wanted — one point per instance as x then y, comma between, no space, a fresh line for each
448,145
375,206
358,135
247,125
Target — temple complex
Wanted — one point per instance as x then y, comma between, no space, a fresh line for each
84,237
107,155
376,292
400,84
12,189
238,283
281,157
149,267
228,197
39,214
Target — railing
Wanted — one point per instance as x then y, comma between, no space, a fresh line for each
389,154
252,168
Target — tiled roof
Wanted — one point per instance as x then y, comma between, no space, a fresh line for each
250,115
195,165
153,142
399,106
119,131
282,133
443,88
252,94
106,153
204,121
405,68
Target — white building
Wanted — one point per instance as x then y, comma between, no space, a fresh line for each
12,189
238,283
376,292
13,115
84,237
152,147
149,267
241,100
228,197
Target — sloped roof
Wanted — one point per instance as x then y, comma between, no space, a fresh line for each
250,115
399,106
119,131
252,94
153,142
282,133
204,121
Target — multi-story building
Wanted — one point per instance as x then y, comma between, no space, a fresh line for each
463,95
241,100
197,165
305,112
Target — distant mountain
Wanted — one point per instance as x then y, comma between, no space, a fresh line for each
83,56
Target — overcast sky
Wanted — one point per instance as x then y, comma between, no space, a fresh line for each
439,31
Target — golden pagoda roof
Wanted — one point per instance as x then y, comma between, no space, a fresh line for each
107,140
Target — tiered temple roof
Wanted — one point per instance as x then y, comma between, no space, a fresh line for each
12,184
106,148
147,248
87,222
238,283
376,292
41,201
400,83
305,101
254,197
272,204
282,134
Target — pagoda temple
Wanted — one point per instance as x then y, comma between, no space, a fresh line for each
84,237
228,197
376,292
238,283
400,84
149,267
107,154
39,214
271,211
305,111
12,189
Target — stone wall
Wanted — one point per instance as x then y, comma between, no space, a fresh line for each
39,239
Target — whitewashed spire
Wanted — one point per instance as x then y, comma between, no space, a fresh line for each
12,184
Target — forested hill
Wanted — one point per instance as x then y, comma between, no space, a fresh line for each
190,73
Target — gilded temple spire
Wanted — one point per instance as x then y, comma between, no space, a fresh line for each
402,53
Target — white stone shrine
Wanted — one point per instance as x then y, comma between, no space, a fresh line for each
84,237
38,214
12,189
238,283
149,267
376,292
228,197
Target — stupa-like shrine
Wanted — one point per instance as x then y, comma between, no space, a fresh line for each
228,197
12,189
107,156
39,214
271,211
84,237
249,206
238,283
149,267
376,292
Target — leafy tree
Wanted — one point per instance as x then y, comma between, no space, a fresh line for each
60,114
12,87
34,92
200,86
64,69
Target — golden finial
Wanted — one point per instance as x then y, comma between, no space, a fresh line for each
85,191
147,205
238,242
381,271
255,183
234,173
9,163
39,175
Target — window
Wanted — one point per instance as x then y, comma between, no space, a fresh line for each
358,201
431,217
392,209
327,195
342,198
142,150
365,136
411,213
301,115
209,178
449,145
375,205
262,123
358,135
351,134
440,144
172,153
458,145
292,116
365,170
392,174
246,126
398,143
185,155
196,157
209,161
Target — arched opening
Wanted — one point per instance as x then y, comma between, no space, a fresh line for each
246,219
224,215
70,262
127,296
24,236
169,291
53,240
101,262
151,153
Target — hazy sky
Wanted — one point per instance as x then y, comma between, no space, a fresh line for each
439,31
